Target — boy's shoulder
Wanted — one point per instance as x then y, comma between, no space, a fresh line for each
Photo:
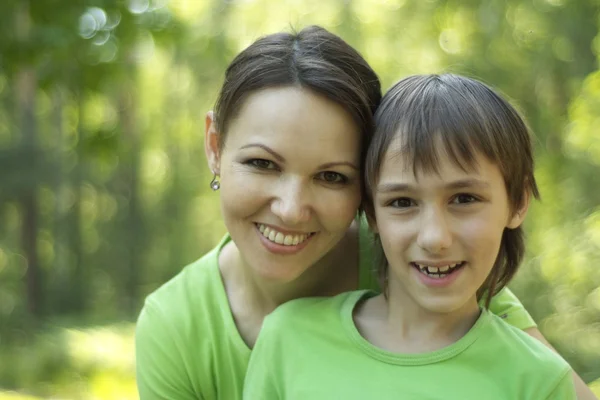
525,351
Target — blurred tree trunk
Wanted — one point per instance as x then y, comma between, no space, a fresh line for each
135,228
26,83
60,278
78,300
176,192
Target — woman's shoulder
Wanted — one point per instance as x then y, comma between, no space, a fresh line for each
197,290
198,274
180,332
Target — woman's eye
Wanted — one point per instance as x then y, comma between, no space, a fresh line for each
332,177
261,163
403,202
464,198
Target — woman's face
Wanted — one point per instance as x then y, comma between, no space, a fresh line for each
441,232
290,179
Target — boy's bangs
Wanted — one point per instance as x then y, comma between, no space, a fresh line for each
441,128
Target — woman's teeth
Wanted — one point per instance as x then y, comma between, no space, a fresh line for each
438,272
280,238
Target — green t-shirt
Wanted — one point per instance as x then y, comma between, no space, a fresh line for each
187,343
310,349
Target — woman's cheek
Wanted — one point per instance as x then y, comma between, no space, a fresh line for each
344,204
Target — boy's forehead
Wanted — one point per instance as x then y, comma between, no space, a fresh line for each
396,153
434,158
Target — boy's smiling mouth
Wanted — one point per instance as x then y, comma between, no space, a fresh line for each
438,270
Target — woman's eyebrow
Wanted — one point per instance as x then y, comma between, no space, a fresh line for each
338,164
266,148
280,158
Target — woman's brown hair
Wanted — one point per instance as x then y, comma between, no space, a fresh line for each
313,59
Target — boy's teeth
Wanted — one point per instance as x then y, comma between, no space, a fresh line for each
436,272
280,238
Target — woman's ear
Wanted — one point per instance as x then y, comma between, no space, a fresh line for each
211,144
519,215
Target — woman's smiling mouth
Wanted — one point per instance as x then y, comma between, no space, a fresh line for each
285,242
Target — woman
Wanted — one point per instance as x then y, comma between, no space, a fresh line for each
287,140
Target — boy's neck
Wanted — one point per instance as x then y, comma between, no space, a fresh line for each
398,324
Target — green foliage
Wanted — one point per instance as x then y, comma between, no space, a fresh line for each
90,363
103,182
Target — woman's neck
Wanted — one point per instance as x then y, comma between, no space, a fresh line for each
252,297
266,295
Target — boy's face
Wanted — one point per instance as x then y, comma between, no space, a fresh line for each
441,232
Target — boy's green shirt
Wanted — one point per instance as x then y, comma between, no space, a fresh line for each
311,349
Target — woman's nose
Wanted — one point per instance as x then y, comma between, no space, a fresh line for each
292,203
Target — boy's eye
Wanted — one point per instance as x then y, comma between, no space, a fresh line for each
332,177
261,163
402,202
463,198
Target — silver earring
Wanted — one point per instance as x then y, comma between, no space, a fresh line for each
215,184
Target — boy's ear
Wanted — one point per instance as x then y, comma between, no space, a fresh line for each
211,144
519,215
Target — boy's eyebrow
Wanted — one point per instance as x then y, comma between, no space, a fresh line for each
459,184
393,187
468,183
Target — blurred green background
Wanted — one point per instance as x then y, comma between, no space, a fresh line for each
104,186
